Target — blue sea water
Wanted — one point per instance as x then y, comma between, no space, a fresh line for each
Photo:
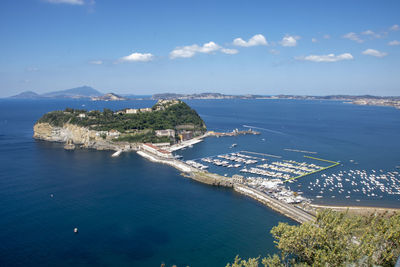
131,212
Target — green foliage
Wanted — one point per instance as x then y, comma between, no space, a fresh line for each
147,137
167,118
335,239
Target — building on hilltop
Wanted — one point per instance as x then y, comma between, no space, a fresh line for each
145,110
131,111
167,132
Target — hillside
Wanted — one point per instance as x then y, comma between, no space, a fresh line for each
27,95
133,125
83,91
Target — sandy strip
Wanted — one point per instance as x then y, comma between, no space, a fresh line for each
357,209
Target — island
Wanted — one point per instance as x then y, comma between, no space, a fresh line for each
168,122
156,132
109,97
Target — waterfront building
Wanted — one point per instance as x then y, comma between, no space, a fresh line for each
238,178
186,135
156,150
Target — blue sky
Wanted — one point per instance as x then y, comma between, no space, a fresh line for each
144,47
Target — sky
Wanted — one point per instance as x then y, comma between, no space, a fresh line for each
233,47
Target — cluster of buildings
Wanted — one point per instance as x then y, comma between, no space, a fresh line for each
157,151
134,110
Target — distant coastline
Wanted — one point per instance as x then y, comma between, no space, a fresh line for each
89,93
368,100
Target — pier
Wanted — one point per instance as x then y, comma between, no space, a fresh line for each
288,210
206,177
235,132
325,168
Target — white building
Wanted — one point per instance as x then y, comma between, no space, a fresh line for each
168,133
156,150
145,110
131,111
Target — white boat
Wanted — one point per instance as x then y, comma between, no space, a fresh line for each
116,154
233,145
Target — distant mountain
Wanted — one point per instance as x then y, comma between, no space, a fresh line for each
108,97
26,95
78,92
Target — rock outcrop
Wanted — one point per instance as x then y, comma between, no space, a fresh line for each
78,135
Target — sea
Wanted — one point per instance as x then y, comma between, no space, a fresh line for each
132,212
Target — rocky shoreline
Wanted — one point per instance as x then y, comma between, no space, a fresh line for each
77,136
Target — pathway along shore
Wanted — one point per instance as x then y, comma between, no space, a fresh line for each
288,210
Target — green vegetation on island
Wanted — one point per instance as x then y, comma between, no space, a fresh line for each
334,239
135,125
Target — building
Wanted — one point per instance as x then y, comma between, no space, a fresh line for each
162,145
157,151
186,135
168,133
238,178
131,111
113,133
82,115
145,110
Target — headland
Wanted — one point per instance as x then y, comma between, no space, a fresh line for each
156,132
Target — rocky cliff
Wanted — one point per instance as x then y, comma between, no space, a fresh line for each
77,135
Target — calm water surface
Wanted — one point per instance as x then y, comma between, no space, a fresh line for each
131,212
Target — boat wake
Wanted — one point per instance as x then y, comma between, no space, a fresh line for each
264,129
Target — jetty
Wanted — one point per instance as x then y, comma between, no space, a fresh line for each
235,132
288,210
334,164
235,182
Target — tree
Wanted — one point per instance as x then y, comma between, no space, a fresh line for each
335,239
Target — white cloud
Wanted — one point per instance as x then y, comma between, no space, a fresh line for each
374,53
353,36
314,40
395,27
289,41
70,2
134,57
229,51
394,42
207,48
96,62
326,36
372,34
327,58
257,39
368,32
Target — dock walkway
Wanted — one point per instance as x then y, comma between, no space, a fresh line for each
286,209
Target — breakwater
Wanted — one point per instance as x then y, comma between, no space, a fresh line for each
190,172
288,210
